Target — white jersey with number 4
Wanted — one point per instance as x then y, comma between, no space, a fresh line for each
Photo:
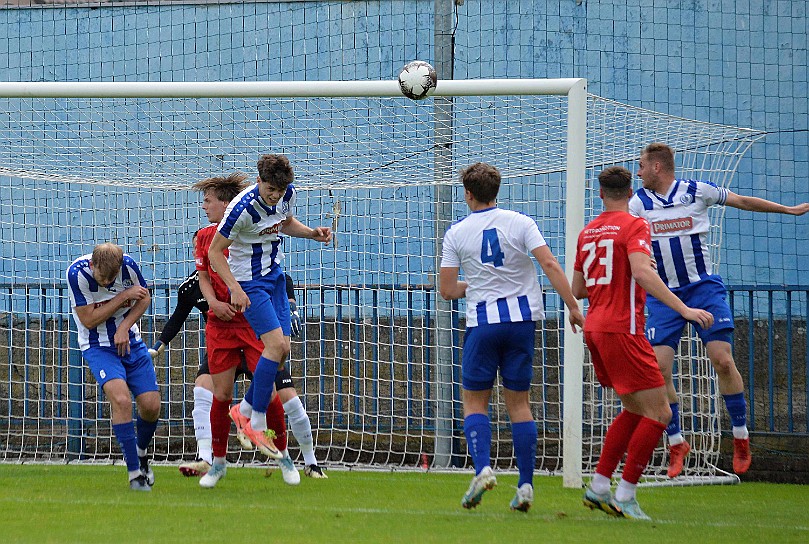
493,247
679,225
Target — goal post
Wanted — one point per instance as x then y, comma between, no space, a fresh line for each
377,365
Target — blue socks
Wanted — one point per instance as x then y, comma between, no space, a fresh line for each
146,430
263,383
674,425
737,409
478,434
524,435
125,433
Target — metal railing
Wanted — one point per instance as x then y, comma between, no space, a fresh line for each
771,347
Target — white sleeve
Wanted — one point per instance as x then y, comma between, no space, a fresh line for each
635,206
711,194
532,236
449,255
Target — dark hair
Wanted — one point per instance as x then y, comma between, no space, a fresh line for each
659,152
482,180
275,170
223,188
614,181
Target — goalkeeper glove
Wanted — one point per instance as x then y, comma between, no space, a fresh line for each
295,319
157,349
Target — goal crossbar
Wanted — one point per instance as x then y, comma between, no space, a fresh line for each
279,89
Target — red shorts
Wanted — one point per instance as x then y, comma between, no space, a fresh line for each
227,345
625,362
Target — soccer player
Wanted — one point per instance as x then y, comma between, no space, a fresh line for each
677,211
504,300
252,273
108,295
614,270
189,296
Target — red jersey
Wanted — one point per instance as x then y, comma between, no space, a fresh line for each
204,239
616,300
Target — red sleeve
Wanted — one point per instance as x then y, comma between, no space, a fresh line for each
577,265
639,237
204,239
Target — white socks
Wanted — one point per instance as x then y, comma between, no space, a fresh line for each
675,439
740,433
600,484
625,491
202,422
301,429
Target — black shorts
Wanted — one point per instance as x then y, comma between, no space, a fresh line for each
283,379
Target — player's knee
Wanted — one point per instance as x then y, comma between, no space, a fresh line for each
664,414
724,364
120,402
223,396
149,409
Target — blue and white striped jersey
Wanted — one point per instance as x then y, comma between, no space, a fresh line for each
679,225
84,290
254,230
492,246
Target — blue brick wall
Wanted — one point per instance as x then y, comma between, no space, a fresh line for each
736,62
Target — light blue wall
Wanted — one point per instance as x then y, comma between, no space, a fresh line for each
740,62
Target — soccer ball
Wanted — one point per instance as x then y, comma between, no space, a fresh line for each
417,80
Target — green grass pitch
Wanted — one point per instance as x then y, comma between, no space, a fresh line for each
89,504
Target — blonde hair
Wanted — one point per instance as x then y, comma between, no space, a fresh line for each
107,260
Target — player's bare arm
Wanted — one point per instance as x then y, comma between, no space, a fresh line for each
555,274
91,316
449,286
292,227
238,298
649,280
121,337
579,286
220,308
753,204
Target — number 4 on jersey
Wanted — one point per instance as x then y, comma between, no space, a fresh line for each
490,250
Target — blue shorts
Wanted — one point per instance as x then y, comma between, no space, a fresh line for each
505,346
664,326
269,305
136,368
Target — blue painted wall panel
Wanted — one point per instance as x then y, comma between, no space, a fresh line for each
731,62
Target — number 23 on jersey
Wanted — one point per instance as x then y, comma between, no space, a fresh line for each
601,273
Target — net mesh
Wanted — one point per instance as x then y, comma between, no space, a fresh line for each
75,172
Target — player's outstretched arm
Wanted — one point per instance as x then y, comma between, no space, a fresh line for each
292,227
753,204
553,270
647,277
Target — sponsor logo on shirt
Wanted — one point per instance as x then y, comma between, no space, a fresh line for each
271,230
126,304
672,225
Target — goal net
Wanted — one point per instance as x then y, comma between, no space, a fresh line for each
378,362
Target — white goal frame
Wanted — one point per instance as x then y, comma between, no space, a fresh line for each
575,191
